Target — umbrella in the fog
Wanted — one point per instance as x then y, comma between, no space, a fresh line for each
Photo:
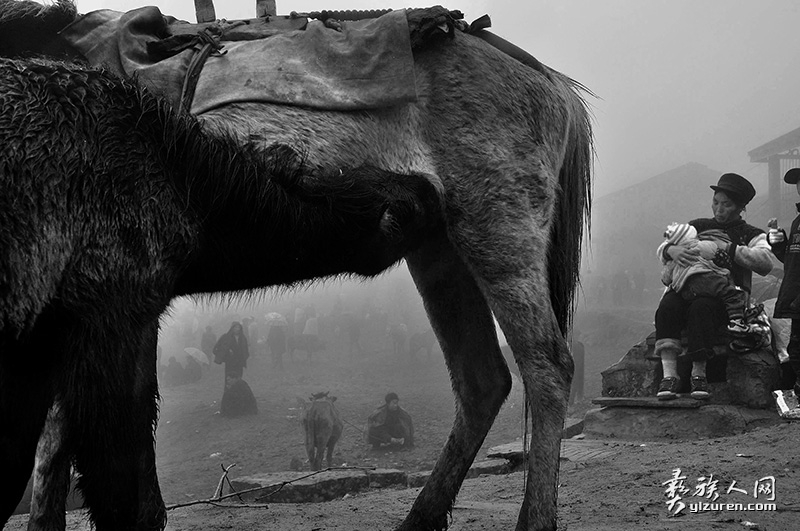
276,319
197,354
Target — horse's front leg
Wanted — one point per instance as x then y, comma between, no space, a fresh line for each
26,394
116,452
481,380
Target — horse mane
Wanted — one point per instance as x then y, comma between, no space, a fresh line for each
28,28
573,212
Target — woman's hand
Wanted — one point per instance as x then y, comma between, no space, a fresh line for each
684,256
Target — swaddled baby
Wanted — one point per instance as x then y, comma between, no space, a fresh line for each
703,278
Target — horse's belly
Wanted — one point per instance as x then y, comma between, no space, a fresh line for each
389,139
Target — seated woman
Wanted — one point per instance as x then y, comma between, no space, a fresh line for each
702,316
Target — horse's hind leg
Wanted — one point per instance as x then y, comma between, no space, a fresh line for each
463,323
516,285
522,307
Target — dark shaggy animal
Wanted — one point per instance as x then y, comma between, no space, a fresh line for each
508,141
110,206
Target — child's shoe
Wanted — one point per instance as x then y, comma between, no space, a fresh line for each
668,389
700,388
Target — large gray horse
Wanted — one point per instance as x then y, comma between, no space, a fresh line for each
509,147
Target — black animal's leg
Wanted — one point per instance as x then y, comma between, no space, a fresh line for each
152,514
25,396
481,381
115,452
51,475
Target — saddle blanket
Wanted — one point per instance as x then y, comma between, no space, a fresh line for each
368,65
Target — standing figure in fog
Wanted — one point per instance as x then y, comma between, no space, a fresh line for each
787,250
277,336
232,350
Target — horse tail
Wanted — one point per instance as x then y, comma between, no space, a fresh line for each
573,208
30,28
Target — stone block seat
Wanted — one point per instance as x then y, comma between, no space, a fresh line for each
746,379
741,386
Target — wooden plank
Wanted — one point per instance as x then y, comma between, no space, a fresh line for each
571,450
681,402
204,10
266,8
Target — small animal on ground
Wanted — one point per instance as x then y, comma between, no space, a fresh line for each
323,426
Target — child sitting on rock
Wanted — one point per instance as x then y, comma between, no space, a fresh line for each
704,278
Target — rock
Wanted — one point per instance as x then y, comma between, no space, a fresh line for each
572,427
635,374
638,423
744,379
418,479
511,451
489,466
386,477
325,486
752,378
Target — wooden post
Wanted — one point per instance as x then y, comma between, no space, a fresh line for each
204,10
775,181
266,8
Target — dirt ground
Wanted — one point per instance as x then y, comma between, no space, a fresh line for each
622,491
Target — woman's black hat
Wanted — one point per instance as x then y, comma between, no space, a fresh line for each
737,186
792,176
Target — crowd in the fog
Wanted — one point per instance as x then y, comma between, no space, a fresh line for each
198,336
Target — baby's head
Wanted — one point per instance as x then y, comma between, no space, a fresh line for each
677,233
